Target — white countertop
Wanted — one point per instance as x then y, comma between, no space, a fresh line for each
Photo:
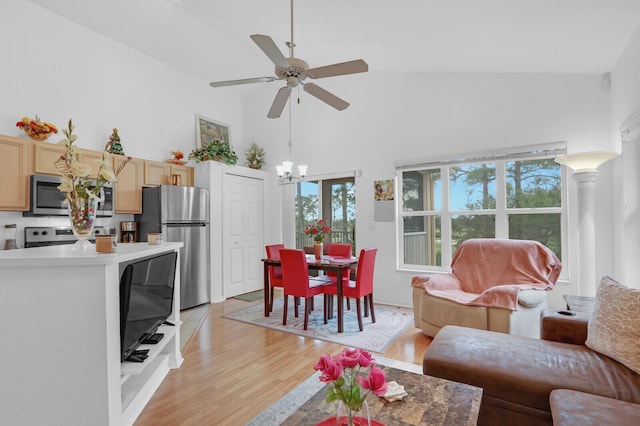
67,255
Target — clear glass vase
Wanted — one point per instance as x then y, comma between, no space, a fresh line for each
82,215
349,417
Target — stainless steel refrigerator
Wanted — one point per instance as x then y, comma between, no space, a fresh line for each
181,213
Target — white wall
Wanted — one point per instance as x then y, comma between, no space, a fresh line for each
58,70
625,102
417,115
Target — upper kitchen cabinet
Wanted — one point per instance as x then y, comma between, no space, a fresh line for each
158,173
16,156
181,175
128,187
91,159
45,156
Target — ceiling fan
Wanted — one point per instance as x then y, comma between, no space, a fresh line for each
295,71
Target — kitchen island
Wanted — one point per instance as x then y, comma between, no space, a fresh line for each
60,338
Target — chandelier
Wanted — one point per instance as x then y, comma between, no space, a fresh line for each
285,170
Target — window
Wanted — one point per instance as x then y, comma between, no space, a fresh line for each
517,196
331,199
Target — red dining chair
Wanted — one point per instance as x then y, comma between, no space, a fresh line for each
339,250
297,283
362,287
275,272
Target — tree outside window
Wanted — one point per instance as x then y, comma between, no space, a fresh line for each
517,199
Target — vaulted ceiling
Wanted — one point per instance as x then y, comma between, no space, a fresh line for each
210,38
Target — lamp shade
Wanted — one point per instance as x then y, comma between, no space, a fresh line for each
302,169
583,162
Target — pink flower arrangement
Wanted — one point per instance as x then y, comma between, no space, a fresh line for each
318,230
343,371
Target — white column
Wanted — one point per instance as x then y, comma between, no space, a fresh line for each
585,174
587,280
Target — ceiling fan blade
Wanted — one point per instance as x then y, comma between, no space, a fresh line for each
242,81
342,68
279,102
324,96
266,44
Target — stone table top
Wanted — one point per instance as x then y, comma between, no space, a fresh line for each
431,401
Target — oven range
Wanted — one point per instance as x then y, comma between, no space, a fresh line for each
41,236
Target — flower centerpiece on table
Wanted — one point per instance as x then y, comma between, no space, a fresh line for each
348,385
318,230
82,194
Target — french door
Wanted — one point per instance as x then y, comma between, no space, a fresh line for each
330,199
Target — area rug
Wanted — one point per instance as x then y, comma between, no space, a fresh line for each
288,404
250,297
391,321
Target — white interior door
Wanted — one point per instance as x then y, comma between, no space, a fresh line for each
243,234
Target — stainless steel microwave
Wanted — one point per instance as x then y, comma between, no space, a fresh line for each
47,200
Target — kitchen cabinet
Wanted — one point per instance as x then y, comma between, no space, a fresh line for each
156,173
15,167
91,159
128,188
21,157
184,173
45,156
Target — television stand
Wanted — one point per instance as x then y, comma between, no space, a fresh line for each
79,384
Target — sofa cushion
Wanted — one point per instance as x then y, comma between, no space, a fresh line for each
571,408
523,371
614,325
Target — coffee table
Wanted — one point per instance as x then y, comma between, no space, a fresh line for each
431,401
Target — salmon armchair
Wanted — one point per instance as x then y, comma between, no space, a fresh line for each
494,284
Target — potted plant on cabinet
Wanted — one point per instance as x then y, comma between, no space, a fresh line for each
217,150
254,156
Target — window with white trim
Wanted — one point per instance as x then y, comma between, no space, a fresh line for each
516,195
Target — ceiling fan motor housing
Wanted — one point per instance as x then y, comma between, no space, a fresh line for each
297,68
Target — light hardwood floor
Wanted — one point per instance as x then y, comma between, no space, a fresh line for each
232,371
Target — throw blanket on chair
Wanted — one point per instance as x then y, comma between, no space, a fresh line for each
490,272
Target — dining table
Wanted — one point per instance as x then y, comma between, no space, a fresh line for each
326,263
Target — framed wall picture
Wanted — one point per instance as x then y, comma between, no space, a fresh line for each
208,129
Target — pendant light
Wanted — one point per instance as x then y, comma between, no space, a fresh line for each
285,170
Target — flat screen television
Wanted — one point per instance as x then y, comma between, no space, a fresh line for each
146,299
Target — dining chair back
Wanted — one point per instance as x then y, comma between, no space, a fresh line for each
362,287
339,250
275,272
296,282
364,274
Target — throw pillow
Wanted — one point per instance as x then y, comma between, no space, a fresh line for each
614,326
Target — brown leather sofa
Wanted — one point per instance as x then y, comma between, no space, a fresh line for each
518,374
